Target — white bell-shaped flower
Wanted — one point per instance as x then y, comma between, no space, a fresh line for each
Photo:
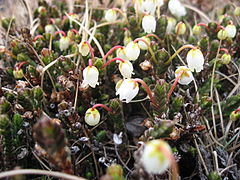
143,45
90,76
176,8
83,48
186,76
64,43
126,69
149,24
121,53
222,34
195,60
132,50
111,15
92,116
128,90
148,7
171,25
159,2
156,156
231,30
49,29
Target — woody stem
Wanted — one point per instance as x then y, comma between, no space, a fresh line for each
111,51
149,48
110,61
174,84
103,106
148,90
178,51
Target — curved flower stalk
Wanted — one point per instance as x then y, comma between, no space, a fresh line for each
92,115
125,67
149,24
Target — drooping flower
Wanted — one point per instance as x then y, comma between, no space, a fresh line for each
121,53
148,7
90,76
126,69
111,15
180,28
64,43
128,90
156,157
132,50
195,60
171,25
186,76
149,24
92,116
83,48
222,34
143,45
49,28
231,30
176,8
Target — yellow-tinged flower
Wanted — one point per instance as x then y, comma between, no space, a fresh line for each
132,50
180,28
64,43
156,157
195,60
231,30
92,116
111,15
186,76
121,53
143,45
126,69
222,34
83,48
127,90
90,76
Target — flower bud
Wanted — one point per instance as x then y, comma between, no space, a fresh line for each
90,76
143,45
92,117
132,51
176,8
195,60
115,171
111,15
149,24
231,30
180,28
18,73
235,115
222,34
237,11
64,43
186,76
197,30
83,48
49,28
156,157
226,58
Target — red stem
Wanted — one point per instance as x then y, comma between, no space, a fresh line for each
111,60
111,51
141,39
148,90
60,32
51,21
203,24
90,62
225,50
38,37
154,35
174,84
236,111
74,30
19,65
91,49
103,106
